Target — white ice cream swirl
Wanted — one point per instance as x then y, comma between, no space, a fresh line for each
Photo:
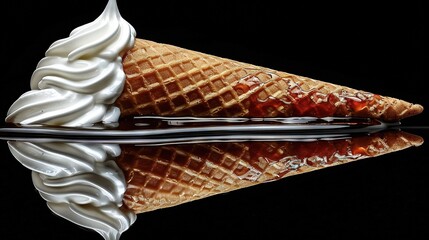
80,182
76,85
80,77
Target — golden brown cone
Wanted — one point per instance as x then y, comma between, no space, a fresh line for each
165,80
164,176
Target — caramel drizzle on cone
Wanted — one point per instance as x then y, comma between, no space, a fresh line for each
165,80
165,176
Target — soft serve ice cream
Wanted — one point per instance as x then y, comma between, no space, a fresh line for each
87,189
81,76
76,85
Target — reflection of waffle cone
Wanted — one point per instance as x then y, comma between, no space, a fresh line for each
166,80
164,176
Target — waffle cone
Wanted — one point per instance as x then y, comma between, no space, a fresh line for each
165,80
164,176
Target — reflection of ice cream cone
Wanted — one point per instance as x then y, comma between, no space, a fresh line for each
170,81
164,176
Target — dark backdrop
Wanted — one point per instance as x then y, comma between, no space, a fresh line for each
376,47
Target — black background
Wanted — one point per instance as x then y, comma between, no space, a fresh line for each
376,47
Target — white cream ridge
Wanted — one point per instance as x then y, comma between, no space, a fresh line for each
76,85
81,76
86,189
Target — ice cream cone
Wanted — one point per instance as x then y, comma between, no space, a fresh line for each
165,80
164,176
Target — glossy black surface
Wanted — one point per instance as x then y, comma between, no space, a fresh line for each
379,48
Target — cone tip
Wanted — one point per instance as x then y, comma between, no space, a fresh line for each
411,139
406,109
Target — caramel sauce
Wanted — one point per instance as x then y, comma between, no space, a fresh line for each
302,103
246,84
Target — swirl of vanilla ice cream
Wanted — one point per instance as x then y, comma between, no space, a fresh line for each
86,189
80,77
